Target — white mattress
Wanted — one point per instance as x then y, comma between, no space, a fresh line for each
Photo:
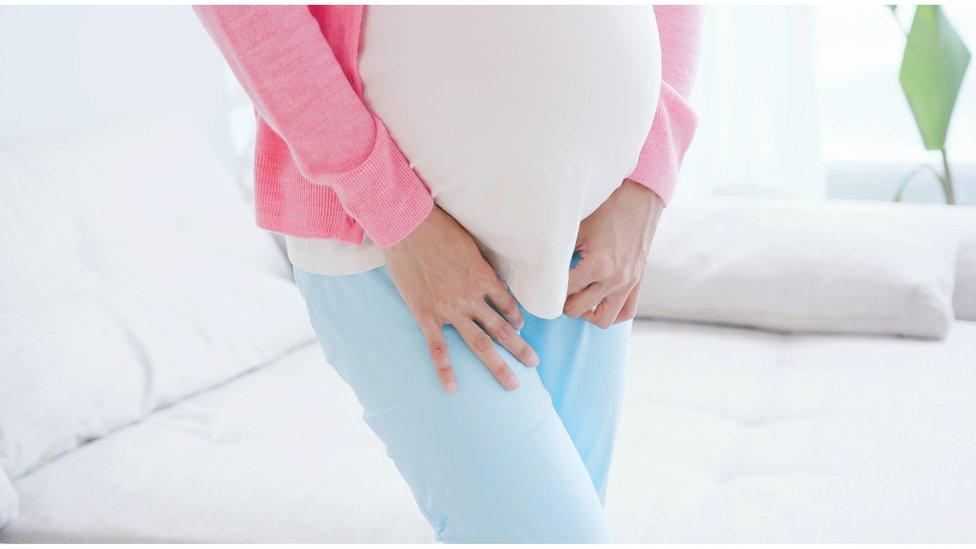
728,435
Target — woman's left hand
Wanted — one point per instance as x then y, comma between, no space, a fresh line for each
613,243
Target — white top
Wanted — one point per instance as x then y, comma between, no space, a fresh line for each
521,120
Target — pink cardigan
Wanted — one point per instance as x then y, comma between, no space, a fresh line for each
326,167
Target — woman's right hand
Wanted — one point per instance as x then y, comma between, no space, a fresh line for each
443,278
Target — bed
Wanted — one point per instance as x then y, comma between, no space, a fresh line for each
145,400
728,435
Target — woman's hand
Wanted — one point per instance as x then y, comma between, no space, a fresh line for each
613,243
443,278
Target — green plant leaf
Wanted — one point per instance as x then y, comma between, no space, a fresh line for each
932,72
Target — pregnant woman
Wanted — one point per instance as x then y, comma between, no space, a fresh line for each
468,195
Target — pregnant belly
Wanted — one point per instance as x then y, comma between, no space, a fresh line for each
521,120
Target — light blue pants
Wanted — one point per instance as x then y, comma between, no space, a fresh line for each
484,464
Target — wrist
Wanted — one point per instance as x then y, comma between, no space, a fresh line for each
642,198
648,206
415,234
643,192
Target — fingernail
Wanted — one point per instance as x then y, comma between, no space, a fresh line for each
511,383
534,360
451,387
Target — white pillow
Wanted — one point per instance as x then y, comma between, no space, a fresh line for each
134,275
801,267
954,225
964,296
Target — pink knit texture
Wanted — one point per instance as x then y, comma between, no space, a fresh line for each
326,167
674,122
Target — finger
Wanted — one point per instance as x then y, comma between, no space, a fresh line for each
581,302
437,347
501,330
629,310
606,312
580,276
480,344
506,304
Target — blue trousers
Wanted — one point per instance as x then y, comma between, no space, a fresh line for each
484,464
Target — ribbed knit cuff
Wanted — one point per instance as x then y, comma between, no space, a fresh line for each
383,194
660,158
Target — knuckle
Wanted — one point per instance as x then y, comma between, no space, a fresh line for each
460,301
482,342
443,304
524,352
443,373
438,350
489,280
423,311
503,330
500,371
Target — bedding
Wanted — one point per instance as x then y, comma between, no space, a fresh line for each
8,500
133,258
836,267
964,298
728,435
147,396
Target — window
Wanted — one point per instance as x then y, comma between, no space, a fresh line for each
805,102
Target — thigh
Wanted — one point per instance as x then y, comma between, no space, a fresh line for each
484,464
582,366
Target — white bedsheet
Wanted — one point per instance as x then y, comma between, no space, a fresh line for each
728,435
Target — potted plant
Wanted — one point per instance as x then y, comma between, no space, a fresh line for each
932,70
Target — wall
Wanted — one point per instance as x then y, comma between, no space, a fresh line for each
71,66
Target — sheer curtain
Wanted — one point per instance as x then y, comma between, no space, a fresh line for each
756,99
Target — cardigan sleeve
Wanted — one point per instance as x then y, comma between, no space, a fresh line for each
291,74
679,28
